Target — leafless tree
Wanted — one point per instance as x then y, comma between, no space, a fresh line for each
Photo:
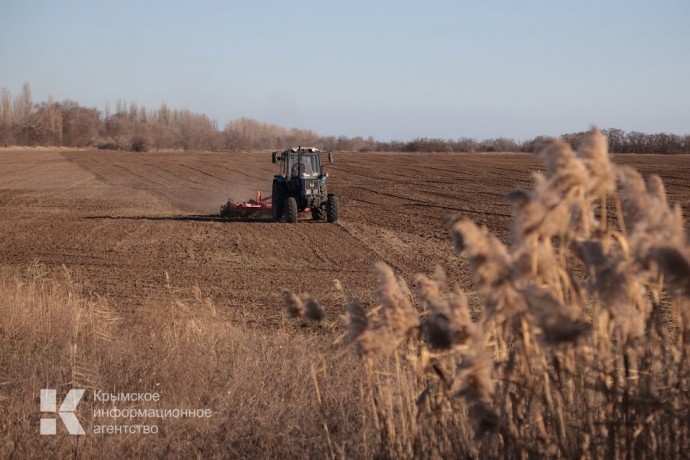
6,117
22,109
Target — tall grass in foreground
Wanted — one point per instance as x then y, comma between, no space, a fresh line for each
272,393
581,348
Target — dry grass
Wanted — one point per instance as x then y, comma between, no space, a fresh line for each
271,392
581,349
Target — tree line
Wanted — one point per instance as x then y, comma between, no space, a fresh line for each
619,142
136,128
132,127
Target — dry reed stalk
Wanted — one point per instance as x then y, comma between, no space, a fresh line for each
401,317
315,381
293,304
588,323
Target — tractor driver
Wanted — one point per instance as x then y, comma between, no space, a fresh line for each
306,167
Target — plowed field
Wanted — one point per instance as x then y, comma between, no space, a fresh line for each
124,224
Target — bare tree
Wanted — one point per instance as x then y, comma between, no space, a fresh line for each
194,131
6,117
22,108
81,126
47,119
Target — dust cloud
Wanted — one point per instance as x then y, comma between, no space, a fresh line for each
199,201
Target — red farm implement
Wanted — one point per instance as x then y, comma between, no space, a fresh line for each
256,207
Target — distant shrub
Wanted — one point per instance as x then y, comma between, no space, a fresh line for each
138,144
107,145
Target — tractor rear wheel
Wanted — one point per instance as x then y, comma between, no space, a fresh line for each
277,202
290,210
332,208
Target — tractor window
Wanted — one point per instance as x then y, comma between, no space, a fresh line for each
309,163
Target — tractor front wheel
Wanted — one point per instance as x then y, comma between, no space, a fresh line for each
332,208
317,213
290,210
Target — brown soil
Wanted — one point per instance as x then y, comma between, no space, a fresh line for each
121,221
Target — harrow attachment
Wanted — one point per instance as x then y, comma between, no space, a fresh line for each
256,207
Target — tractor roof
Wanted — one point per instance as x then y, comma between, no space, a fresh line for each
302,150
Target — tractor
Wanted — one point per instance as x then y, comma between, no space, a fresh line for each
300,185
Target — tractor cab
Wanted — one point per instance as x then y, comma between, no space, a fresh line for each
298,163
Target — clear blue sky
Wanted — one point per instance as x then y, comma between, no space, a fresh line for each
390,69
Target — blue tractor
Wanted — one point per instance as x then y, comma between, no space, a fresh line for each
300,185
